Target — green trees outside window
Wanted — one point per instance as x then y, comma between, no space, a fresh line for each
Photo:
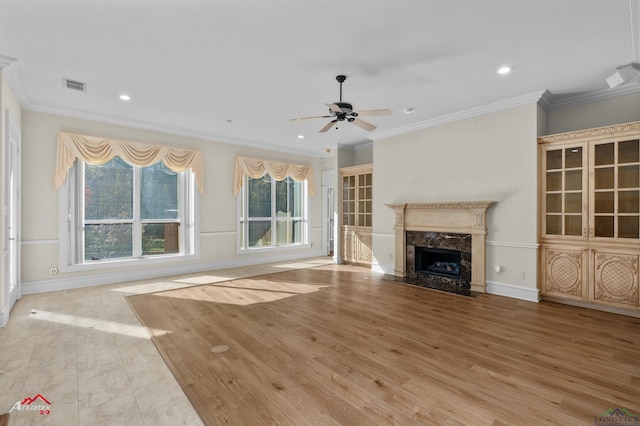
274,212
130,211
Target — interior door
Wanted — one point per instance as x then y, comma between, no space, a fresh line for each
12,230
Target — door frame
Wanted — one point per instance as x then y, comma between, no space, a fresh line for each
328,221
12,223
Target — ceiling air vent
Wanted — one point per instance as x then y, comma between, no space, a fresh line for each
74,85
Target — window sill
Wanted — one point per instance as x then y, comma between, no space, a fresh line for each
272,249
126,263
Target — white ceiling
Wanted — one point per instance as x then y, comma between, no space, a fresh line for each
238,70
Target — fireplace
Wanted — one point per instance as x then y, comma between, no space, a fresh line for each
441,262
442,245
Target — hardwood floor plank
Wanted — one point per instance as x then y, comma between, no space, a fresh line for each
341,345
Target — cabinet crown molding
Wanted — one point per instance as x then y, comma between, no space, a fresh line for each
595,133
362,168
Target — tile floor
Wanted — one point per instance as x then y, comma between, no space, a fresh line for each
86,353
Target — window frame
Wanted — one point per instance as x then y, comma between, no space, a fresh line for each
243,223
72,223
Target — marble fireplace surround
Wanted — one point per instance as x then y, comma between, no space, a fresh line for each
467,217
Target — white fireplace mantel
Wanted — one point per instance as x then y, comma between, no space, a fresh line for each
468,217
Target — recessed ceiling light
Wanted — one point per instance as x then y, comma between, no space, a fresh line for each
300,136
505,70
408,110
125,97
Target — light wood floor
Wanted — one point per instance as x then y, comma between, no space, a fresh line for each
341,345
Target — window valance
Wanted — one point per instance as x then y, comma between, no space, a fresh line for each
97,150
256,168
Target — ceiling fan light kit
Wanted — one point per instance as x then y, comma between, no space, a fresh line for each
343,111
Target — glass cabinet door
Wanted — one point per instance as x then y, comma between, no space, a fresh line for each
348,200
615,194
365,186
565,180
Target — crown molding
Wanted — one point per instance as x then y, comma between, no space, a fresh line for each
28,105
360,168
596,132
557,101
461,115
16,85
363,146
345,147
546,100
5,61
142,125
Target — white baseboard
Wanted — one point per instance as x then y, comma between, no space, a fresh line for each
500,289
513,291
384,269
67,283
4,317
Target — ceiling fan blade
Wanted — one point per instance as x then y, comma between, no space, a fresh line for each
375,112
311,118
360,123
327,126
334,107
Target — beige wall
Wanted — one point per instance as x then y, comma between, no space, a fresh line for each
218,206
490,157
9,103
355,156
363,154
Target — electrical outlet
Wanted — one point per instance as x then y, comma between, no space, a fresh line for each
522,275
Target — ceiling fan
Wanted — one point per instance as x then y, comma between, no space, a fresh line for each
343,111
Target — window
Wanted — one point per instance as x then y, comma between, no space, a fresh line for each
274,213
122,212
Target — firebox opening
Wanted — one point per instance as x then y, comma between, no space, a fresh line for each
435,261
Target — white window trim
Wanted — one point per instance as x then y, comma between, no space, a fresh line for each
71,205
243,234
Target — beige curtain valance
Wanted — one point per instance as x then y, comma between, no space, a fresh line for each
96,150
256,168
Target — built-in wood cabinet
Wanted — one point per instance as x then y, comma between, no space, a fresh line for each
356,213
590,216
